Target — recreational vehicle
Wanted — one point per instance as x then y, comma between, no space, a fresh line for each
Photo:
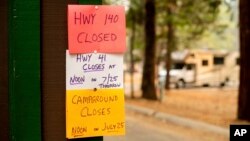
204,68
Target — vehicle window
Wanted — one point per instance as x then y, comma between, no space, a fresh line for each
218,60
204,62
189,66
178,66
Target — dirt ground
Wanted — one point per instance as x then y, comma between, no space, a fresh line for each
180,131
217,106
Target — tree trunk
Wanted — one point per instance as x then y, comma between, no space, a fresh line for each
131,54
170,43
244,90
148,80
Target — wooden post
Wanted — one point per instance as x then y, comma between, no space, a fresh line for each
24,70
90,2
54,44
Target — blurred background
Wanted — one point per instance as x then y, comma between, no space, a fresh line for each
186,69
181,69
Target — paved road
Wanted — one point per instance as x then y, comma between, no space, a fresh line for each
138,130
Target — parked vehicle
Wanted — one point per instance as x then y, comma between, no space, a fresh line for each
204,68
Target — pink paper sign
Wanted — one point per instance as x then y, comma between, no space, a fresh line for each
96,29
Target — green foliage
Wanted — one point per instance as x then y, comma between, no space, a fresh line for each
136,9
135,15
190,18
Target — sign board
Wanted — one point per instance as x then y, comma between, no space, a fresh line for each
96,28
95,113
94,95
94,70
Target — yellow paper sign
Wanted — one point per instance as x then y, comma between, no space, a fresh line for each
94,113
